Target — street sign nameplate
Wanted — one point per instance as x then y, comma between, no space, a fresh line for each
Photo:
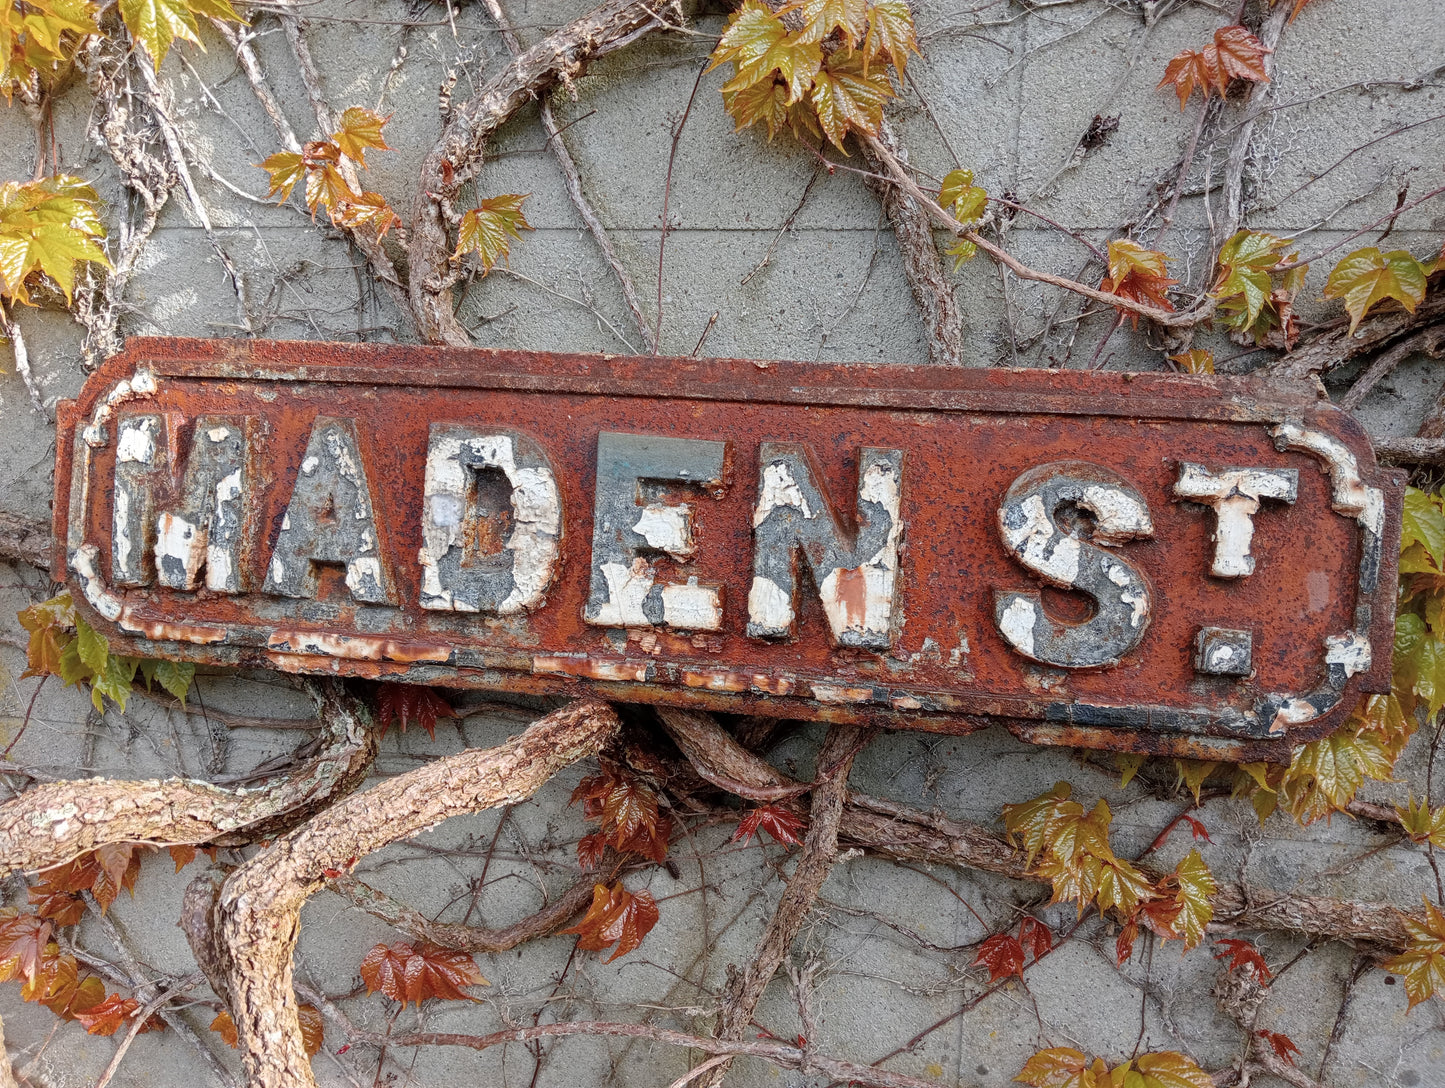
1151,563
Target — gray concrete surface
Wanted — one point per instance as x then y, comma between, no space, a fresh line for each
1012,88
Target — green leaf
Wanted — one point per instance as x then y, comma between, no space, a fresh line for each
960,196
46,226
1245,262
1368,276
115,681
176,677
155,24
487,229
1423,523
93,647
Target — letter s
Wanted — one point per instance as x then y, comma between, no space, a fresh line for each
1032,535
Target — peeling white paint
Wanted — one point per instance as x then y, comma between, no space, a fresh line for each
768,605
692,607
778,489
1058,563
839,693
1017,625
1350,650
668,528
626,589
1235,495
141,384
1221,658
1351,496
183,540
1119,516
1131,595
1292,712
120,528
536,520
137,444
361,571
218,434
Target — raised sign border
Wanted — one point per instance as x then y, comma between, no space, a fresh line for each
1297,419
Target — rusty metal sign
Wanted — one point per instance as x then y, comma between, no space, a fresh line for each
1140,562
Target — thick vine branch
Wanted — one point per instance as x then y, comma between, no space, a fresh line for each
559,58
257,915
52,823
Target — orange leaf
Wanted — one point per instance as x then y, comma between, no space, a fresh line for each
181,855
313,1029
117,866
111,1015
410,704
1137,274
23,943
408,973
615,915
61,907
1035,936
1241,56
1188,70
360,129
225,1027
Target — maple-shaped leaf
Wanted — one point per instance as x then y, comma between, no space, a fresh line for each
287,170
1242,954
1422,964
360,129
112,1014
1063,1067
1281,1044
1038,819
822,17
50,624
1195,361
488,228
1187,905
1420,822
60,988
415,973
1138,274
410,704
1162,1069
781,825
615,915
38,41
1122,887
763,102
1245,263
225,1027
155,24
1002,955
1189,69
1035,937
1241,56
849,99
23,942
47,226
61,907
326,187
890,33
628,807
649,840
174,676
760,47
1367,276
590,849
366,210
1422,522
1324,774
181,855
1193,772
961,198
117,865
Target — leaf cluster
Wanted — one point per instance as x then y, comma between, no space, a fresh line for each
1256,286
781,824
319,166
410,704
63,644
627,809
417,973
1235,53
965,201
1065,1067
616,915
1138,274
819,67
46,226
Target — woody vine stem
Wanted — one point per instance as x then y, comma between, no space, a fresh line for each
824,73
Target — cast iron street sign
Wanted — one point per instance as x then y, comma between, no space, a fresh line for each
1141,562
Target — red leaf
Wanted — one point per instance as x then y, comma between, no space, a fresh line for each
615,915
111,1015
1124,944
1242,954
590,849
116,866
408,973
1281,1044
61,907
1197,829
780,824
651,842
1002,955
410,704
1035,937
23,942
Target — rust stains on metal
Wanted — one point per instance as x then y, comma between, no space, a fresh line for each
1152,563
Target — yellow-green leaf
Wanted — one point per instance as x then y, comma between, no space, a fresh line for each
890,33
849,99
1195,361
1128,764
822,17
961,197
47,226
155,24
1423,524
1422,964
286,168
1421,822
487,230
92,646
1324,774
1193,901
360,129
176,677
1367,277
766,102
1245,264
